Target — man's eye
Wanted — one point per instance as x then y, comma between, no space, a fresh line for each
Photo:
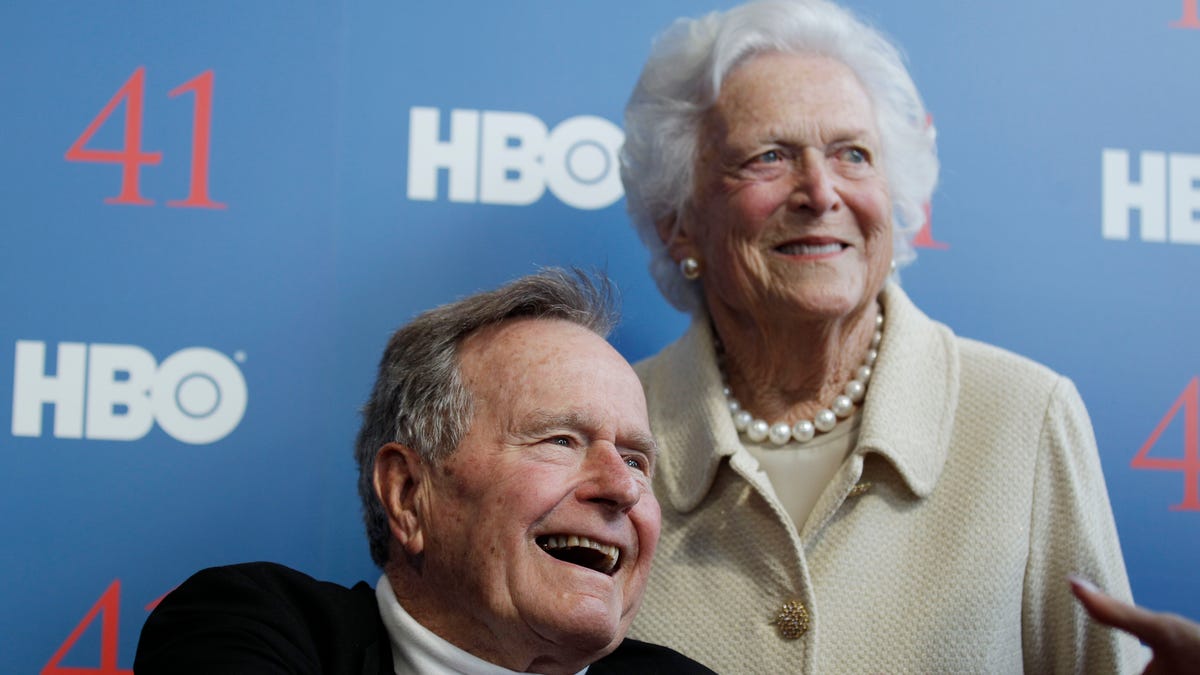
561,440
635,463
769,157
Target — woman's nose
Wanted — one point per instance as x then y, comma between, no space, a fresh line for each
813,184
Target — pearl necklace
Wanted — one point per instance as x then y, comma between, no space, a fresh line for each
758,430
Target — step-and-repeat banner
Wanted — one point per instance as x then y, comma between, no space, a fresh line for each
215,213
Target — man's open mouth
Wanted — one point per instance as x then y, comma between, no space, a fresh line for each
579,550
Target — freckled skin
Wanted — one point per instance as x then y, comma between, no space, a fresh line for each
559,444
823,180
790,154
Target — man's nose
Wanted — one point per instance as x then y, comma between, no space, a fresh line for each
610,481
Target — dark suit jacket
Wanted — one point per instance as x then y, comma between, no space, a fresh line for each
260,618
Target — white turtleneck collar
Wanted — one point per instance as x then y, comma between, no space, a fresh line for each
416,649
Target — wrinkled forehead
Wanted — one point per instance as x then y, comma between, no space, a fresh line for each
783,71
528,357
517,345
778,95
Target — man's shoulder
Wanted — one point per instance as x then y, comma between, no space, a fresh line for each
635,656
261,613
281,588
269,577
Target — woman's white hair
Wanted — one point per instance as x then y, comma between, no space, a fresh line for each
681,81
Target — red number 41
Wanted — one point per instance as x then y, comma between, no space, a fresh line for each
108,610
1190,18
108,607
1189,464
131,157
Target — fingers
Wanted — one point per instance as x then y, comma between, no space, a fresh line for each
1143,624
1174,639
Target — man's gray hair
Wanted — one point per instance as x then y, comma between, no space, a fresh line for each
682,79
419,399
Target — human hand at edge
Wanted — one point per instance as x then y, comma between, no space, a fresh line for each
1174,639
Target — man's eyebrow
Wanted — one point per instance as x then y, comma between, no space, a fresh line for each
545,421
542,421
642,443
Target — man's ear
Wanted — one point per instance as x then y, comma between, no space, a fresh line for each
400,476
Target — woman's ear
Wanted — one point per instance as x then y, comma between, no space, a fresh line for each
666,229
400,475
676,234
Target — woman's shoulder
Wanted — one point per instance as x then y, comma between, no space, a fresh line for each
974,362
999,372
971,353
987,356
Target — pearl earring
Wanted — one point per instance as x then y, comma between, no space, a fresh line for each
689,267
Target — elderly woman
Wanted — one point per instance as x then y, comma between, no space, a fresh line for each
846,485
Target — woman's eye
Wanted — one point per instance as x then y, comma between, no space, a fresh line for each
855,155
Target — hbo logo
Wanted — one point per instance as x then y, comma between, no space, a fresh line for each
510,158
116,392
1166,194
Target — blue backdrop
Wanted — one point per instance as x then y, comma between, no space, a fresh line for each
233,204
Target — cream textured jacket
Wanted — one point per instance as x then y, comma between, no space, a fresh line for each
942,545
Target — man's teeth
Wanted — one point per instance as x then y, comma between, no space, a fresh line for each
809,249
610,554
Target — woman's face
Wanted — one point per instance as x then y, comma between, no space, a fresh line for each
791,210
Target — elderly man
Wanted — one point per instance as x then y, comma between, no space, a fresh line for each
504,462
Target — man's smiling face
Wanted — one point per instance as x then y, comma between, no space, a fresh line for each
541,525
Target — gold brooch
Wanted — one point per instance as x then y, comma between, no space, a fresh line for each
792,620
860,489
